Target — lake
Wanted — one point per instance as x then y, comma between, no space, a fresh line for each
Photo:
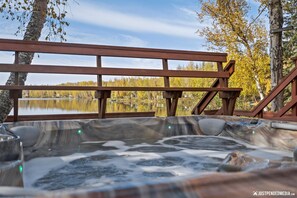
43,106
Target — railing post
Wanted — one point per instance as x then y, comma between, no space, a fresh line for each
294,91
166,84
99,65
173,97
229,100
294,95
102,99
101,95
15,94
223,82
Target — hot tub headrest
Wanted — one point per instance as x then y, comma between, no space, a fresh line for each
211,126
28,134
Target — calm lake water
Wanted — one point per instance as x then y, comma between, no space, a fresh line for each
70,106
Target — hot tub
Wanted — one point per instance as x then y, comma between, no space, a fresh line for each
194,156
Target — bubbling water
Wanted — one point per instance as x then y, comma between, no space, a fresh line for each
120,164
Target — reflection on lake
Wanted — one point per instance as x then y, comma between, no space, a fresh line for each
69,106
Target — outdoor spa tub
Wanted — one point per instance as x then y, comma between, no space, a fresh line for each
193,156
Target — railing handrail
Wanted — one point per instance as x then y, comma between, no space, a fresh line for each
105,50
274,92
119,88
55,69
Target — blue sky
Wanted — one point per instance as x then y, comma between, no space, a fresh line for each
168,24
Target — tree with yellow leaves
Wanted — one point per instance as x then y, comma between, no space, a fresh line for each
243,37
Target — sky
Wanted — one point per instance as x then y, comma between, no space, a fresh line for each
166,24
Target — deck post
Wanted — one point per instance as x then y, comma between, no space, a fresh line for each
166,84
16,94
173,97
229,100
102,97
226,97
101,100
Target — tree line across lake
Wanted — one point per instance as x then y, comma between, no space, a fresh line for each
154,97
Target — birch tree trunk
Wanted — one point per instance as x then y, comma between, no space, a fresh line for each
33,32
276,52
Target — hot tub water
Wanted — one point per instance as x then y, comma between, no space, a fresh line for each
116,163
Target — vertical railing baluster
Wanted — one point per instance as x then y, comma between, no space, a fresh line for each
294,92
99,65
15,92
294,96
99,84
101,95
166,84
223,83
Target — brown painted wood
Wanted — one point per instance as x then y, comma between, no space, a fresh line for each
98,94
79,116
287,107
14,93
231,105
260,114
283,84
293,95
174,103
99,67
172,94
16,61
104,50
102,107
102,99
94,88
172,97
242,113
166,84
207,97
229,99
222,81
99,71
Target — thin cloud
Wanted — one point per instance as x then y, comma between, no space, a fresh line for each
188,12
100,16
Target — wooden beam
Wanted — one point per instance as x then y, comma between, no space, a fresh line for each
94,88
294,95
56,69
79,116
104,50
287,107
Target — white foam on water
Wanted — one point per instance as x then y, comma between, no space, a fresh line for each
139,166
92,142
38,167
117,144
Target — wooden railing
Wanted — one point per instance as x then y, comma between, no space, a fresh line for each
207,98
288,112
171,94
